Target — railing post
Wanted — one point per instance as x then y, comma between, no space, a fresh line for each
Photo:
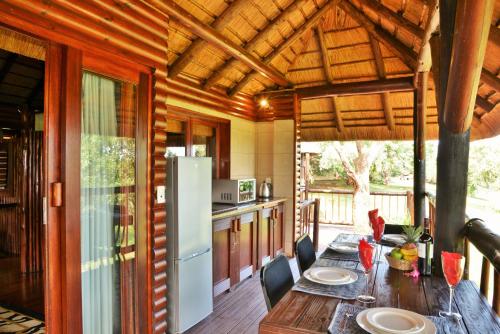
409,205
316,224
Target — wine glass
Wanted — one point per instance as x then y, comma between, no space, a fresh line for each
366,260
453,268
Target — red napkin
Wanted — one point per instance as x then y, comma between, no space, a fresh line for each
372,214
453,267
365,254
377,223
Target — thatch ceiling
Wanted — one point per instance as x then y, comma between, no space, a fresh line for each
314,42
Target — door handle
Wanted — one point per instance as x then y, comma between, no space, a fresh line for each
239,224
234,227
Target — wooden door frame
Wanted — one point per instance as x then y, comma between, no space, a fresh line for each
62,281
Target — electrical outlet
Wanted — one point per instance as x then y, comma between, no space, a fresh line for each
160,194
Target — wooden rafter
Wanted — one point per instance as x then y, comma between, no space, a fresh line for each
407,55
396,19
490,79
251,45
484,104
219,24
424,56
217,39
327,66
337,114
308,23
357,88
385,96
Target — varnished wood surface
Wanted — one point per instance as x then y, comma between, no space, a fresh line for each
300,312
249,208
20,292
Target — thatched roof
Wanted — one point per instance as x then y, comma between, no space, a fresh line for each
313,42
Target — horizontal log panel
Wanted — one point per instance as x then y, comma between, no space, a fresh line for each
159,229
64,30
159,243
160,303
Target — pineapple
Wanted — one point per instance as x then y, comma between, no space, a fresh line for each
409,249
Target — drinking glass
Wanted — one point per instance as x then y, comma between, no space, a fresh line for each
366,260
453,268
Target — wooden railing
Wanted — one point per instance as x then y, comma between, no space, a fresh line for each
309,213
488,244
336,205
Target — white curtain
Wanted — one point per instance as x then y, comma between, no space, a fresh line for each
99,127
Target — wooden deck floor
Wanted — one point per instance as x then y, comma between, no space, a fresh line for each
240,311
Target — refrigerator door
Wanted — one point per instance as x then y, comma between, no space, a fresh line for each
194,205
195,299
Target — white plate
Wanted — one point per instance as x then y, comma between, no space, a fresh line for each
395,321
429,328
344,247
330,275
398,239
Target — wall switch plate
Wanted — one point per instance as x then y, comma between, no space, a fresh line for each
160,194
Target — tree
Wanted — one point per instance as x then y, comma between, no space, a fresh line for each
357,159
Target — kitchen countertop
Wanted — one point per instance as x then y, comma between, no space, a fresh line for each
220,210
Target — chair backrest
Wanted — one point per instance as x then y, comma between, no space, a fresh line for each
393,229
304,250
276,279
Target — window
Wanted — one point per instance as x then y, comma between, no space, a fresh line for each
196,135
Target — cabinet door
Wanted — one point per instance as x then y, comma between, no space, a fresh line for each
265,231
247,244
278,230
223,240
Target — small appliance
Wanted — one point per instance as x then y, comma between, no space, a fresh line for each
234,191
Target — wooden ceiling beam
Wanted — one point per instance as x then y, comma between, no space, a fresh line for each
472,26
250,46
385,96
393,17
327,66
36,91
337,114
357,88
219,24
407,55
217,39
308,23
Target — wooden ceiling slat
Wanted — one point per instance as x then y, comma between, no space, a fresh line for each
327,66
219,24
309,22
218,73
216,38
407,55
396,19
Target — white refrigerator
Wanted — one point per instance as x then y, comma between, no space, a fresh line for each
189,233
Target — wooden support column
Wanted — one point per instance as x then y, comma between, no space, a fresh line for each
463,37
419,116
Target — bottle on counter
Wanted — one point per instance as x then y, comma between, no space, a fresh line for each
425,250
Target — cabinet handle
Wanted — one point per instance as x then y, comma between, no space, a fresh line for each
239,224
234,227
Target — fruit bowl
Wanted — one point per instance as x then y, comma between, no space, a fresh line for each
398,264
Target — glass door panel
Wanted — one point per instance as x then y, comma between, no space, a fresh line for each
108,204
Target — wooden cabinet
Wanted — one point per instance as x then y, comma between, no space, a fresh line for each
271,233
234,250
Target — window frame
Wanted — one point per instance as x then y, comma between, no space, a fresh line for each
221,127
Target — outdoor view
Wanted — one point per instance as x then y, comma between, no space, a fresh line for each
351,178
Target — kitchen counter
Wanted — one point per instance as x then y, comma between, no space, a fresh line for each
221,211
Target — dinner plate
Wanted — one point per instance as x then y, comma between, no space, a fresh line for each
395,321
344,247
429,327
398,239
330,275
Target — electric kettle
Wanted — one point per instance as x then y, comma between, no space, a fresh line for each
265,190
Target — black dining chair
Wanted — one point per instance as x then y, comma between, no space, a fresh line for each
276,279
393,229
304,250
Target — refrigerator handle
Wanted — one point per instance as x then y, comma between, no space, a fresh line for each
192,256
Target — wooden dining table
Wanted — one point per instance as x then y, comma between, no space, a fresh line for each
299,312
